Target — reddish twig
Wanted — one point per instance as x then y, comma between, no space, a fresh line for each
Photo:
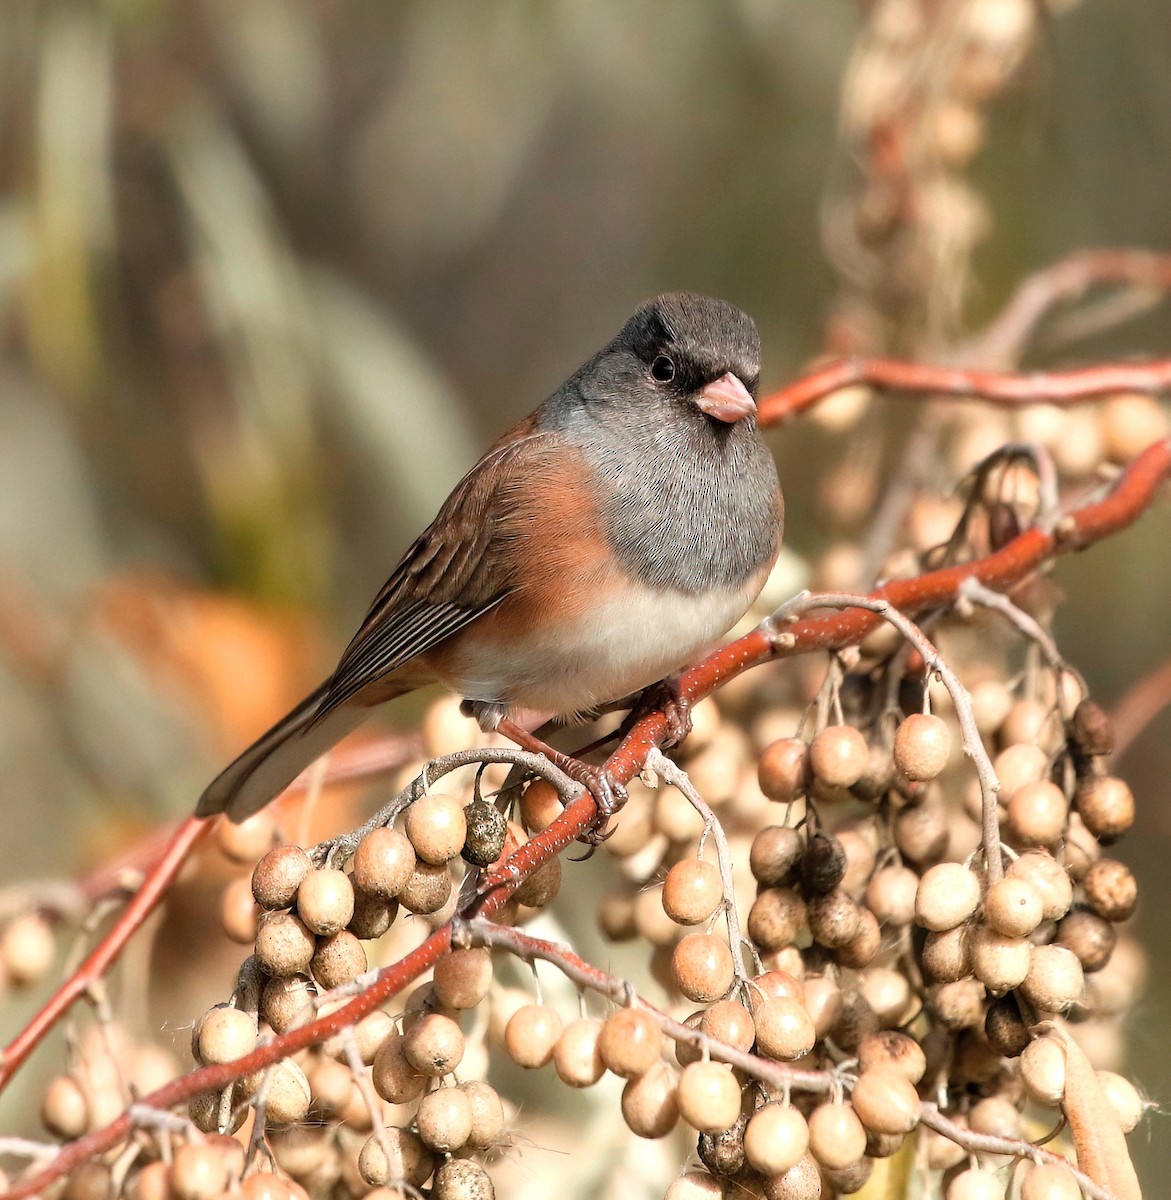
1131,495
1009,389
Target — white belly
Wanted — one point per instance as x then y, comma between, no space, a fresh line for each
621,648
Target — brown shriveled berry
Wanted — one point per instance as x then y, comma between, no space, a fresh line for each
278,875
776,1138
1106,805
325,901
946,955
776,917
922,745
834,918
836,1136
845,1181
948,895
383,862
338,959
576,1057
776,851
650,1105
890,1050
838,755
531,1035
823,864
782,769
722,1152
855,1020
1111,889
1006,1031
862,949
1092,730
487,833
702,966
692,891
630,1042
1089,936
444,1119
284,946
886,1101
708,1096
427,890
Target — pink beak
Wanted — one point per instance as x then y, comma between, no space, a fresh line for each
726,399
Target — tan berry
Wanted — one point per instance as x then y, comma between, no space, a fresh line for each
427,890
730,1022
630,1042
1048,1181
1130,422
576,1056
383,862
823,1002
784,1029
1013,907
776,1138
922,745
531,1035
287,1094
26,948
650,1105
1037,813
1106,806
239,912
462,1179
1019,765
890,1050
776,917
702,966
1000,962
540,887
1089,936
694,1184
325,901
778,982
776,851
692,891
862,949
802,1181
395,1079
226,1034
373,915
887,991
395,1156
1029,722
444,1119
836,1136
434,1045
463,977
199,1171
948,895
676,817
890,895
860,846
991,701
886,1101
287,1001
278,875
834,918
284,945
64,1108
153,1183
540,806
1055,979
338,959
487,1114
1124,1099
1050,879
782,769
838,755
975,1184
708,1096
436,826
1042,1068
922,833
960,1005
247,840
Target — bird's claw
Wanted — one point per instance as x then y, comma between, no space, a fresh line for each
666,697
609,795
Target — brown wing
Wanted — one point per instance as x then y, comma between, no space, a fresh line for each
446,579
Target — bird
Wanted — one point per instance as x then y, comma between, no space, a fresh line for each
597,547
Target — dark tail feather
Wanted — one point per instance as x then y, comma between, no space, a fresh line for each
274,760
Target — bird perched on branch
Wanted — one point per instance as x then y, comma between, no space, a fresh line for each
600,544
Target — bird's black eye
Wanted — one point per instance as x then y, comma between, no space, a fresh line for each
663,369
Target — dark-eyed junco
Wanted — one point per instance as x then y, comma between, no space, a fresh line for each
597,546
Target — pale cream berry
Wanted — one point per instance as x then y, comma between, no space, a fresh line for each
823,1002
1050,879
444,1119
730,1022
630,1042
886,1101
802,1181
692,891
1055,979
383,862
332,1084
996,1116
784,1028
890,1050
287,1001
890,895
776,1138
1013,907
837,1138
245,841
64,1107
948,895
26,948
1130,422
287,1094
887,991
576,1056
1048,1181
1037,813
325,901
239,912
487,1114
434,1045
531,1035
1000,962
708,1095
702,966
436,826
991,702
650,1105
278,875
1029,722
694,1184
921,747
782,769
1018,765
199,1171
226,1034
1042,1070
396,1156
838,755
975,1184
675,817
1124,1099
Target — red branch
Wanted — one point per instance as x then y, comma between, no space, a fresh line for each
1132,494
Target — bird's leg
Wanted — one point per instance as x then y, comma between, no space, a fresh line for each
666,697
609,795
